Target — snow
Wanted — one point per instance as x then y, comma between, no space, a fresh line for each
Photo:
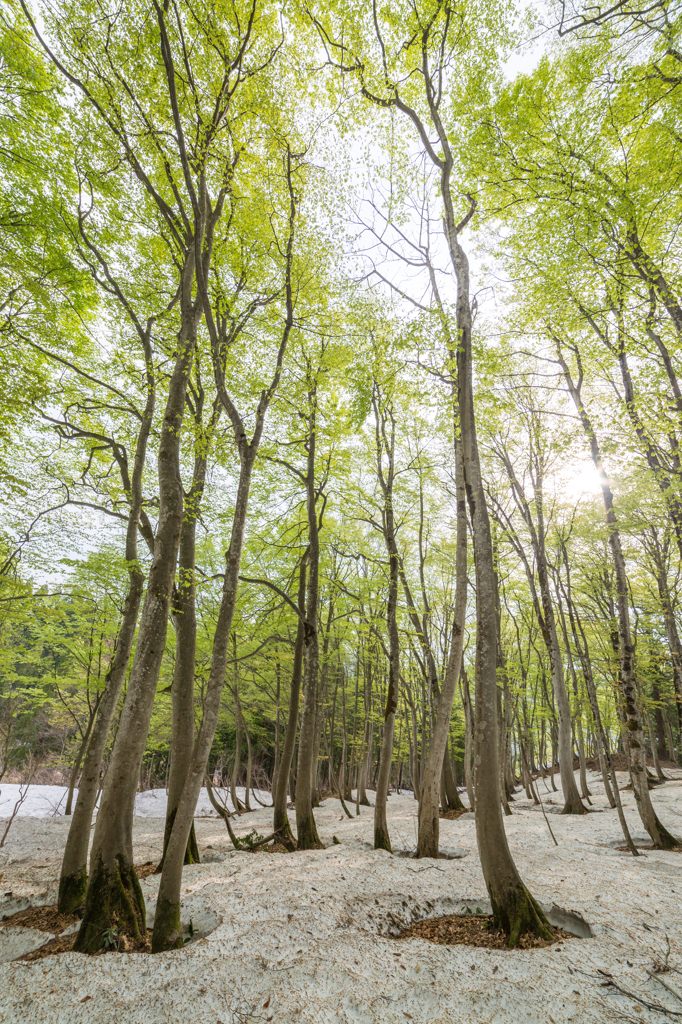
50,801
303,937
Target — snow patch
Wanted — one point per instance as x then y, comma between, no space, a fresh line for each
50,801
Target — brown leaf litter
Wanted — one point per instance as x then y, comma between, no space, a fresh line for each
473,930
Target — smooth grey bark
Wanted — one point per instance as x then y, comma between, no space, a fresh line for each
75,767
185,621
429,818
361,768
114,897
661,838
222,333
544,609
661,735
514,909
384,421
427,660
468,738
584,789
167,932
249,762
657,550
321,697
306,829
281,823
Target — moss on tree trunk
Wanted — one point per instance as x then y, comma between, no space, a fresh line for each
518,914
72,889
167,927
114,903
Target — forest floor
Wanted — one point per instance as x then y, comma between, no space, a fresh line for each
306,937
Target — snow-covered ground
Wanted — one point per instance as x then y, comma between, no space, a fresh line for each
49,801
301,935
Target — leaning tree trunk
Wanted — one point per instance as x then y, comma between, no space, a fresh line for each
114,898
661,838
429,819
73,778
74,877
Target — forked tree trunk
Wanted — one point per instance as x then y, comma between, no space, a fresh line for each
167,931
73,878
74,875
114,898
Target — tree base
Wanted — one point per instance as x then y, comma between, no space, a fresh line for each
308,839
665,841
167,928
285,836
574,807
517,914
72,890
114,906
382,840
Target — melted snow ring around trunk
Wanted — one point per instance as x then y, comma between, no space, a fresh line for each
392,921
16,940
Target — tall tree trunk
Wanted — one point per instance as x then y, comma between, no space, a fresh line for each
429,819
514,909
75,768
544,610
281,823
185,622
306,829
468,738
238,738
73,877
661,838
167,933
658,555
661,738
385,448
114,897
